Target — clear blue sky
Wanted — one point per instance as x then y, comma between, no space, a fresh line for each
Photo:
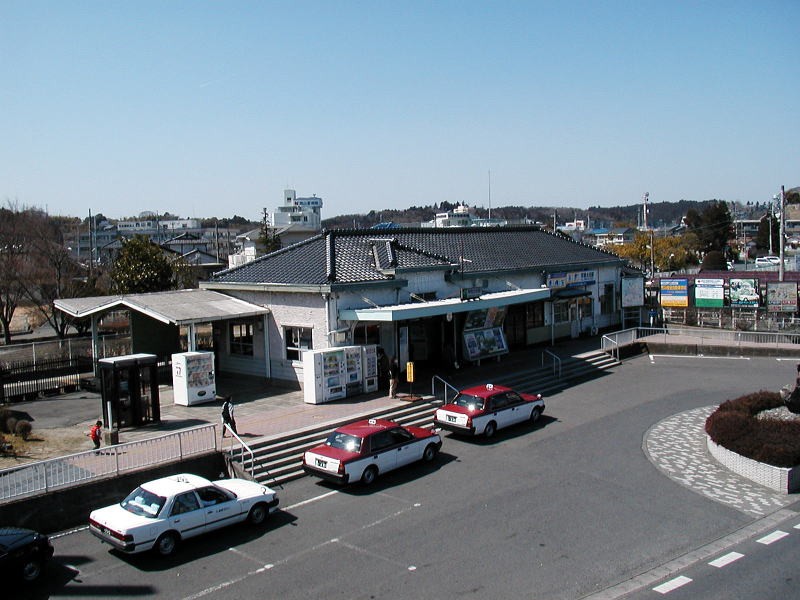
213,108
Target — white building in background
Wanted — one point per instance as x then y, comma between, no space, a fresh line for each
462,216
298,213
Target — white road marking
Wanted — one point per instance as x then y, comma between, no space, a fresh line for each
310,500
70,532
652,356
725,560
772,537
672,584
797,526
248,557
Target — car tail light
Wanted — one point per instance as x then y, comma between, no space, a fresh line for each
340,469
108,531
469,421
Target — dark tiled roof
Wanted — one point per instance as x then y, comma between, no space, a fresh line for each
350,256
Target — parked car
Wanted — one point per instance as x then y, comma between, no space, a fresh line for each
484,409
768,261
24,553
160,514
362,450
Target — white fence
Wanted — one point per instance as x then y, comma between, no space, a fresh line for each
612,342
108,345
44,476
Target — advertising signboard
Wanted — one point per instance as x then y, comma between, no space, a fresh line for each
483,333
744,292
632,291
573,279
782,296
675,293
709,293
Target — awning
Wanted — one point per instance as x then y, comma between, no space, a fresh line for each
181,307
417,310
565,293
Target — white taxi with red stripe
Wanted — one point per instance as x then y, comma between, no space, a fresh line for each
486,408
362,450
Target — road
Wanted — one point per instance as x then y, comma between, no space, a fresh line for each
564,509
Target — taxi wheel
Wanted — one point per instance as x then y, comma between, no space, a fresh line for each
31,570
491,427
430,452
257,515
167,544
369,475
535,414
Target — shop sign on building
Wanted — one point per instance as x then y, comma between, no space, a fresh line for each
709,293
557,281
675,293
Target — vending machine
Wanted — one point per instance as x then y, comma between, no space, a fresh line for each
353,377
324,375
369,364
193,378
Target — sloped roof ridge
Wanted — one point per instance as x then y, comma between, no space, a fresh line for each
582,244
271,254
427,253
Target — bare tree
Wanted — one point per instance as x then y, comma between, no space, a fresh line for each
14,262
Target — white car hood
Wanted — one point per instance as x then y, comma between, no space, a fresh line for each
117,518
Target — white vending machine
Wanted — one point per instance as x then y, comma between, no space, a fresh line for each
353,371
193,379
369,364
324,375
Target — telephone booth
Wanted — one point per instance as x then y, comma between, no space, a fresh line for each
130,390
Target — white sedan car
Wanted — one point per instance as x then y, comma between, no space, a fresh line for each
160,513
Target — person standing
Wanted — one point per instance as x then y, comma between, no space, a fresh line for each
227,415
394,378
96,434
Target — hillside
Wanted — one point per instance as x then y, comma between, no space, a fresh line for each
661,213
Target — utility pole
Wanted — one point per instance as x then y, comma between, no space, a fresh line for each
644,210
783,226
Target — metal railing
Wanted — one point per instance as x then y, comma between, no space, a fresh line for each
445,387
612,342
109,461
243,447
556,363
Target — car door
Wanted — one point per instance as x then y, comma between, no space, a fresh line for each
382,450
220,509
518,409
500,410
186,516
407,450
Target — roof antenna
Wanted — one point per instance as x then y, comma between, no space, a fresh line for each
490,194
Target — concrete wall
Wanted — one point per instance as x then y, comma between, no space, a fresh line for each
64,509
779,479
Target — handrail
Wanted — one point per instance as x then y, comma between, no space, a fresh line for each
556,361
614,349
436,378
243,446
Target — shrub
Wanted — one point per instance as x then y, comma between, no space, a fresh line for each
23,429
5,414
734,426
11,424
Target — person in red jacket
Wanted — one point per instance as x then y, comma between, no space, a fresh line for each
96,434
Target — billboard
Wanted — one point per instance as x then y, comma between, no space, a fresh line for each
709,293
744,292
632,291
782,296
675,292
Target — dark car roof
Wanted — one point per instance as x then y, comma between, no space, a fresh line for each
485,391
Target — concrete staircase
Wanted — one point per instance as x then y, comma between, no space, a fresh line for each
277,460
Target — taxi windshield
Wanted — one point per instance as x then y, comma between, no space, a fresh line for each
344,441
469,401
142,502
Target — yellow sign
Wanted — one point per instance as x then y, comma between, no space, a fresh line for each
410,372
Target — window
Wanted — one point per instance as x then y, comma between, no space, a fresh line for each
607,299
534,315
241,339
184,503
381,440
297,339
210,496
401,436
560,312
